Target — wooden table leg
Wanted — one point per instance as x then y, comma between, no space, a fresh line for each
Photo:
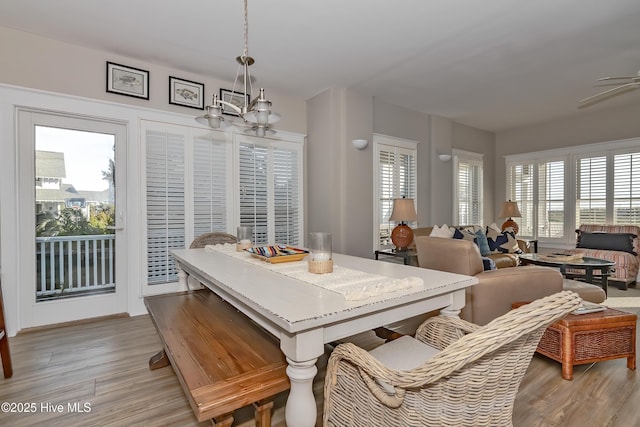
223,420
262,413
159,360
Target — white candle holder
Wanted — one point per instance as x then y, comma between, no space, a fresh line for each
320,256
244,235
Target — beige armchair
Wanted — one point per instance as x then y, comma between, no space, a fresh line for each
452,373
497,289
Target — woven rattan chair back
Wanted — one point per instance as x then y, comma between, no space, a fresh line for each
472,381
212,239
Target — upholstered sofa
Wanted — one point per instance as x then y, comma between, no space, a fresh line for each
497,289
617,243
501,259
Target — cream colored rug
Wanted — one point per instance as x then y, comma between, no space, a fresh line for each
622,302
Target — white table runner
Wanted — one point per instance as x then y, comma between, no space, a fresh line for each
352,284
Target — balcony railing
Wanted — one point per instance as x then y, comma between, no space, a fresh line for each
74,265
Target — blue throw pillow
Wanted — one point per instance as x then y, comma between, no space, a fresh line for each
483,244
463,234
607,241
488,264
504,242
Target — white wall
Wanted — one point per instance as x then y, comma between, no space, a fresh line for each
36,62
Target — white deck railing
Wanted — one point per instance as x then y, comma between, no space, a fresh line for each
74,264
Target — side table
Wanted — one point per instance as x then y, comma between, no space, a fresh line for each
409,257
594,337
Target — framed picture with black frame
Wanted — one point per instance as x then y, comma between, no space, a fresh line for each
128,81
186,93
235,98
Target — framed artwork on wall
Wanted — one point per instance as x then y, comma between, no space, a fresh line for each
127,81
235,98
186,93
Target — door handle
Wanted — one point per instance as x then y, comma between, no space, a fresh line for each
111,227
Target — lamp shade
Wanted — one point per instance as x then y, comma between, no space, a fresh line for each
509,210
403,210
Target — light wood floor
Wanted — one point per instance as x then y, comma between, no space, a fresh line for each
104,365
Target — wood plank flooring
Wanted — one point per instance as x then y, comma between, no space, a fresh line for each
101,368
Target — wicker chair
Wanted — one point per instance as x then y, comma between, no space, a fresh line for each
203,240
212,239
472,380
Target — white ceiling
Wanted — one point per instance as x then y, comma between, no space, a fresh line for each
492,64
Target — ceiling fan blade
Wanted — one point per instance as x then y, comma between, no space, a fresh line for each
616,78
608,93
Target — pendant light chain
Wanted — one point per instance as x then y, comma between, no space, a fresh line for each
255,112
246,30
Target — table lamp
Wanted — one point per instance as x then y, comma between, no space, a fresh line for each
509,210
403,210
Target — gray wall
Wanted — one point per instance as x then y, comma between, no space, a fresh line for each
483,142
391,120
337,116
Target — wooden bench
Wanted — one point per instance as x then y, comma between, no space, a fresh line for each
223,360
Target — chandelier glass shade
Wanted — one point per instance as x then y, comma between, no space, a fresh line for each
256,113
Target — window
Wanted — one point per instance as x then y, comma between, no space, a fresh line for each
165,203
590,184
591,190
468,175
210,184
550,217
521,191
626,188
395,163
191,189
270,197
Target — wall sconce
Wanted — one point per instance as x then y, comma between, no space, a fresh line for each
360,144
444,157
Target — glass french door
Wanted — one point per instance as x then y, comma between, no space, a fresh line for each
71,203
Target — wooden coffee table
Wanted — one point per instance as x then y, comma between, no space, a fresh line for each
592,337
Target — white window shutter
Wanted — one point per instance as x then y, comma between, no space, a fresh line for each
210,185
551,199
165,203
591,191
397,177
270,190
626,200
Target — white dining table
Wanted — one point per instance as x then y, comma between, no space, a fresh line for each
304,316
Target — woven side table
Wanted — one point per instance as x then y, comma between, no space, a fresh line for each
592,337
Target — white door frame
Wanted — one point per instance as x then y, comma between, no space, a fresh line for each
34,314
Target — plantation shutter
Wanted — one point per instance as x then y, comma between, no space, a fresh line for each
468,188
591,190
521,184
286,195
396,179
626,201
210,183
165,203
253,190
270,196
551,199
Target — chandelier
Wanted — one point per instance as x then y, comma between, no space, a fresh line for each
255,113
